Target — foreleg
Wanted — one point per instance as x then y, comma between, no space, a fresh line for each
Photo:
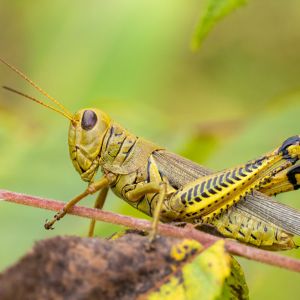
92,188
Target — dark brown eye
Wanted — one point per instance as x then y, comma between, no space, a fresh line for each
89,119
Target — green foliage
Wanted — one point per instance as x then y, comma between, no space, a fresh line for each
235,286
205,144
213,12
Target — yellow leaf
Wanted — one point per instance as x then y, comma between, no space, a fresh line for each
201,277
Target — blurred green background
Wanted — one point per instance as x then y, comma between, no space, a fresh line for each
234,99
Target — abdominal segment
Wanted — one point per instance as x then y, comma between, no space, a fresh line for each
246,228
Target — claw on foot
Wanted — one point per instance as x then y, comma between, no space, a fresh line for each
49,224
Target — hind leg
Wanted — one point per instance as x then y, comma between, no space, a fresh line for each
209,196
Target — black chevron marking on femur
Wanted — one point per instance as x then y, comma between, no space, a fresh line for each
228,179
218,188
196,190
234,176
204,195
215,181
248,167
223,184
212,191
208,183
182,197
215,185
202,187
260,161
190,194
241,172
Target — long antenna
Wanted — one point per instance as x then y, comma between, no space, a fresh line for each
21,74
38,101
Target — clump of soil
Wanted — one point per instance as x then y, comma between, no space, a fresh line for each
88,268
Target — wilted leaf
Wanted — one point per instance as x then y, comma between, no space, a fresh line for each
212,274
214,11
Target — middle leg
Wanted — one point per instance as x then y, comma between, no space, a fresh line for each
152,190
99,203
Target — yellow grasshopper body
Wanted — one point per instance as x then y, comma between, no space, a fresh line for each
173,189
137,176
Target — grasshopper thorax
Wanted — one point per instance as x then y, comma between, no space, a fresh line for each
86,133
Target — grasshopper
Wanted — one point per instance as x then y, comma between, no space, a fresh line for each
234,202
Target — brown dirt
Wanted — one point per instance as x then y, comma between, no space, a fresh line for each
88,268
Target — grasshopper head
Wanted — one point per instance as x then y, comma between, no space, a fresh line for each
86,133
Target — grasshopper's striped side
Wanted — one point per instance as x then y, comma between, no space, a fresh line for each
250,229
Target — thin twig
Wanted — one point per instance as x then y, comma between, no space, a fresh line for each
164,229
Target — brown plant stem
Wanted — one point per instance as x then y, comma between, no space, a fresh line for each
164,229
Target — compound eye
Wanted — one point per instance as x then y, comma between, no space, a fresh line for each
89,120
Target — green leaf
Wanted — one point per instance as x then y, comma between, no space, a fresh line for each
235,287
214,11
211,274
